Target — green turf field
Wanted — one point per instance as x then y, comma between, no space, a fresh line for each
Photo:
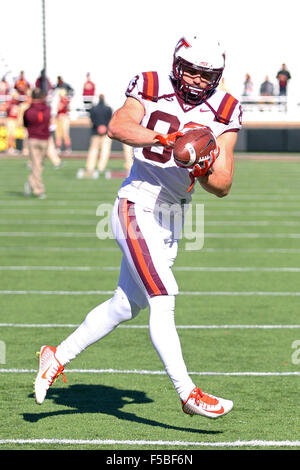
237,316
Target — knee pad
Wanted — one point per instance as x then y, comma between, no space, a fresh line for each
162,303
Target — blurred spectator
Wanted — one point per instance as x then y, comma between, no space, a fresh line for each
62,84
100,143
4,97
20,123
12,112
43,83
22,86
88,92
283,76
223,85
3,136
52,153
62,131
37,120
248,85
4,89
267,87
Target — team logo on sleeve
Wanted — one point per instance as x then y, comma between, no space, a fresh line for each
132,84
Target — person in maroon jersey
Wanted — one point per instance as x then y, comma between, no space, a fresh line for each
22,86
62,131
88,92
37,121
4,88
283,76
43,82
12,112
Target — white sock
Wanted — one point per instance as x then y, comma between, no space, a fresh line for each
165,340
98,323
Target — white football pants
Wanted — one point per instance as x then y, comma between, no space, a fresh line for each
146,279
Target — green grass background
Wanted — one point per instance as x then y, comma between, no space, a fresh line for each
264,202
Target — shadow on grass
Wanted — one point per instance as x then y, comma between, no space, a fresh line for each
105,400
18,194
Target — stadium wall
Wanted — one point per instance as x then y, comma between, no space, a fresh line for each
253,137
273,137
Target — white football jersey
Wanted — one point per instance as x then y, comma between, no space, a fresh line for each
155,177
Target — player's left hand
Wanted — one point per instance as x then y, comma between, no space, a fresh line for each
201,168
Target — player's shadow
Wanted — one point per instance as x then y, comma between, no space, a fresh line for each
19,194
105,400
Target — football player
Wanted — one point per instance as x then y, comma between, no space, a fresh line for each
156,111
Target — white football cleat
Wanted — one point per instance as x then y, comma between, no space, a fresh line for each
80,173
199,403
27,188
49,370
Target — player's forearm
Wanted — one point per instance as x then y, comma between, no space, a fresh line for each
219,178
217,182
131,133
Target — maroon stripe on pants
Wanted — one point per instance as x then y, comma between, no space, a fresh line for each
139,250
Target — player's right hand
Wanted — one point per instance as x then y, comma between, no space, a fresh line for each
168,140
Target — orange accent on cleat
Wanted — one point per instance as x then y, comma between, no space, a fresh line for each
205,404
49,370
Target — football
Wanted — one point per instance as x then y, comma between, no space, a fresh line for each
194,146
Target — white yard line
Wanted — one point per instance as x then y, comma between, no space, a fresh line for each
156,372
241,223
49,234
103,249
283,196
206,235
110,292
178,268
52,222
46,211
56,292
181,327
99,442
208,211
